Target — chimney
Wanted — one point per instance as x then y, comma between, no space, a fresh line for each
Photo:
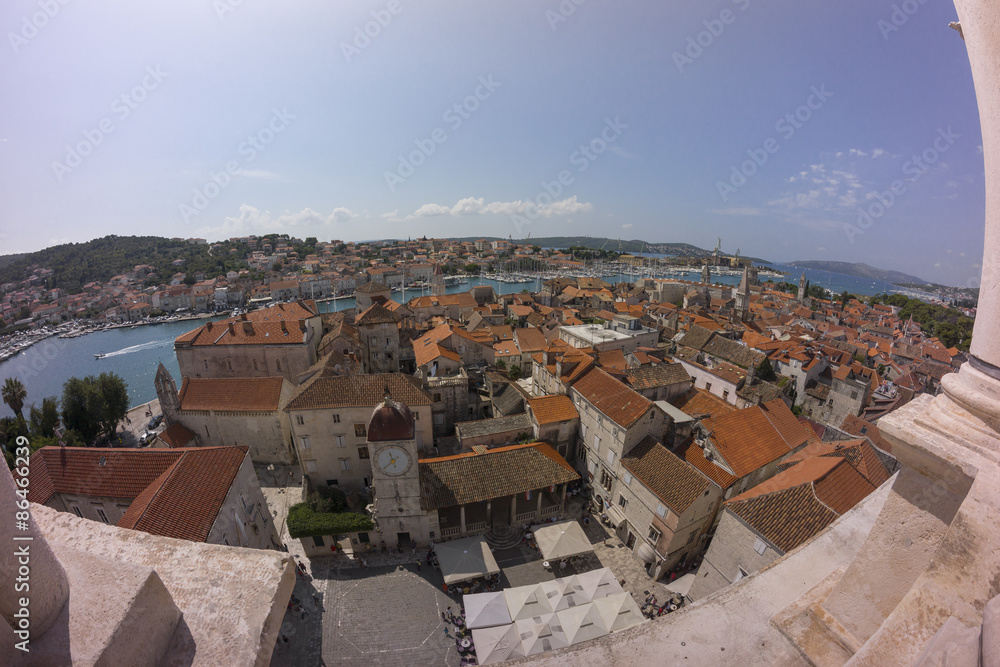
284,327
248,328
208,327
243,316
232,329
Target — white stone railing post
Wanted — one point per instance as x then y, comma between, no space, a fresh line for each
29,570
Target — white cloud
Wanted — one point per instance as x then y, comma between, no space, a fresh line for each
478,206
877,152
262,175
857,152
51,242
627,226
251,219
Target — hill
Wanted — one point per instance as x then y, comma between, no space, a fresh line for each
630,246
861,271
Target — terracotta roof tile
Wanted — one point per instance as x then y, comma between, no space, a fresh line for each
785,518
621,404
697,401
176,435
504,471
231,394
695,455
675,482
661,375
553,409
357,391
751,438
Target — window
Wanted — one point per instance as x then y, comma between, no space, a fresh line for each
229,364
299,420
597,444
336,419
332,482
628,479
654,535
606,479
360,431
611,458
388,342
277,364
78,512
416,416
341,441
708,386
311,466
100,513
362,452
225,539
622,501
255,364
661,511
318,541
345,464
725,394
691,536
304,443
740,574
760,547
854,395
206,364
437,398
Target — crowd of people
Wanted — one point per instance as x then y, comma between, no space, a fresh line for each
462,635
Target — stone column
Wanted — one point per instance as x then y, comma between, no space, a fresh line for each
513,509
538,505
976,387
461,517
27,558
489,514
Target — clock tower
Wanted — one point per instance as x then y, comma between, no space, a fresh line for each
392,446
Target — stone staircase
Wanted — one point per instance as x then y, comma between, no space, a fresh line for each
503,537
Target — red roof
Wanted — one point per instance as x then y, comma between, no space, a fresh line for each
621,404
231,394
553,409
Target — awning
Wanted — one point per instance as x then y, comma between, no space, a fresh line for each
645,553
557,541
615,514
465,559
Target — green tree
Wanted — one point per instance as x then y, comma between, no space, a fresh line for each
472,267
93,406
44,420
515,373
765,371
14,393
189,279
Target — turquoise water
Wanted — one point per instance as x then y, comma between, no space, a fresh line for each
134,353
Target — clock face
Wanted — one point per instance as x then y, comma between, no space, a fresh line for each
393,461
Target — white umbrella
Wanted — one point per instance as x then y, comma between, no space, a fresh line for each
540,634
497,644
461,560
563,593
527,601
483,610
562,540
598,584
619,611
582,623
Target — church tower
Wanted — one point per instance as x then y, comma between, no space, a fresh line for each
802,287
743,297
437,282
166,391
396,476
706,274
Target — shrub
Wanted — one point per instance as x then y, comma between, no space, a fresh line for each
304,522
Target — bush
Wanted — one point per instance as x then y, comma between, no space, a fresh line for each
304,522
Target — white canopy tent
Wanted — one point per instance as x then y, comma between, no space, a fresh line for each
497,644
527,601
558,541
619,611
564,593
484,610
582,623
465,559
539,634
598,583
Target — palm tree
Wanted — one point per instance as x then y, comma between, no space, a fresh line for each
14,393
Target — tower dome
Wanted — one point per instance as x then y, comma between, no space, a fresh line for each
391,420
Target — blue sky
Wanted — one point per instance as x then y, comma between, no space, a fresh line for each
773,127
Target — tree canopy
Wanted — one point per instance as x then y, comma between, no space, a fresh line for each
93,406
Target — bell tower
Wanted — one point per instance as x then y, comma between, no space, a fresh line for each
392,446
166,391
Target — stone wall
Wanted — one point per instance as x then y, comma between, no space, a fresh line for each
732,547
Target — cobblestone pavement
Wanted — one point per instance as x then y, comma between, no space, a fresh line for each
389,613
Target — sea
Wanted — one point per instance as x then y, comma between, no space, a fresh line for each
134,353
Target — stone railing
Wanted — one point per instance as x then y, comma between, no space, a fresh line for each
524,516
474,527
451,532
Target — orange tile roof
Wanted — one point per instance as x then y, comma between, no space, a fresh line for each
357,391
176,435
231,394
553,409
696,401
751,438
695,455
672,480
620,403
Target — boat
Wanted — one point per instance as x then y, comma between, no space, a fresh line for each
99,355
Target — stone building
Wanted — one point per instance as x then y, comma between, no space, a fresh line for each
205,494
225,412
328,418
378,331
271,342
556,421
370,293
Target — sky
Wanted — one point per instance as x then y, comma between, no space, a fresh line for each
806,130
